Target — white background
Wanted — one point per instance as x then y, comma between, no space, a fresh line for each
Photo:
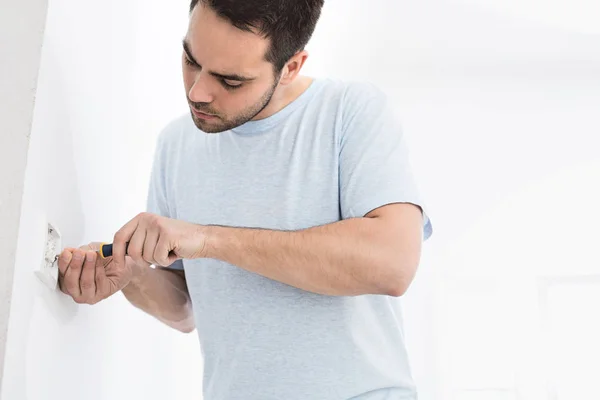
500,102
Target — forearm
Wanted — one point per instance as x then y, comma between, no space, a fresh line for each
162,294
349,257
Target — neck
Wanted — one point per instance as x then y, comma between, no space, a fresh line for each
284,95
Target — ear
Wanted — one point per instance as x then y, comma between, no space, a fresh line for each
292,67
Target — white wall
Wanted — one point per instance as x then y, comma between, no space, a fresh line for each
500,108
500,104
20,48
92,139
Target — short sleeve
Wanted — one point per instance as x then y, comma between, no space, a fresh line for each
157,200
374,158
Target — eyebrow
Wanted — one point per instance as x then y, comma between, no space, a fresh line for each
229,77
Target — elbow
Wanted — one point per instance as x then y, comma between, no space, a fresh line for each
398,277
186,325
397,290
396,287
184,321
185,328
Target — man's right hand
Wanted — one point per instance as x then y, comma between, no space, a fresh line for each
89,278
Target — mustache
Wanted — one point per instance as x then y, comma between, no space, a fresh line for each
202,107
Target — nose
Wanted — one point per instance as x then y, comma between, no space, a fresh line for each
201,92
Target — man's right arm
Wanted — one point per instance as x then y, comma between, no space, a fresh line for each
162,293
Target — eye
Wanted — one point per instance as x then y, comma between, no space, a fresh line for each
231,84
188,62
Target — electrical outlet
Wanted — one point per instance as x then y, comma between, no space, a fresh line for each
47,270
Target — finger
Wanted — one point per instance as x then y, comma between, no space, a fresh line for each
162,253
136,244
87,282
63,261
73,273
152,234
102,283
122,237
95,246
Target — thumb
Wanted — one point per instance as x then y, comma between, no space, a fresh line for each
93,246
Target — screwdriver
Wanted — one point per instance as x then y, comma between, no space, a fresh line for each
106,249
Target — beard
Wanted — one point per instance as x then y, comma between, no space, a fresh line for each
223,123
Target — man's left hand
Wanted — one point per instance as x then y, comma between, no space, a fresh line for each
158,240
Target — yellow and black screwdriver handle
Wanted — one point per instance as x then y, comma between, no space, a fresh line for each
106,249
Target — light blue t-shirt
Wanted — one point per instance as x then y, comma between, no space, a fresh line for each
336,152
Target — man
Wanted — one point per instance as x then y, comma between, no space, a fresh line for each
283,220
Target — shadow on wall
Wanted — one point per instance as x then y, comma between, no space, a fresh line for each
51,194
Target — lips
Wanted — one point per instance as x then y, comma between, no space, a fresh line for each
202,115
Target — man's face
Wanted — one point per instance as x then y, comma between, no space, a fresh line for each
226,78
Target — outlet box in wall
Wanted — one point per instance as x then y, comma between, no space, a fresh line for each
47,269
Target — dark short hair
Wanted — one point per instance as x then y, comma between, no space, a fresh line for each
289,24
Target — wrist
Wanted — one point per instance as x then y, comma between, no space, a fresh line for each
208,239
138,272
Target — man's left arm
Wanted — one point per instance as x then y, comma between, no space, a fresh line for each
375,247
376,254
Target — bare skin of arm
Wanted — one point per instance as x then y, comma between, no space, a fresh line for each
376,254
160,292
